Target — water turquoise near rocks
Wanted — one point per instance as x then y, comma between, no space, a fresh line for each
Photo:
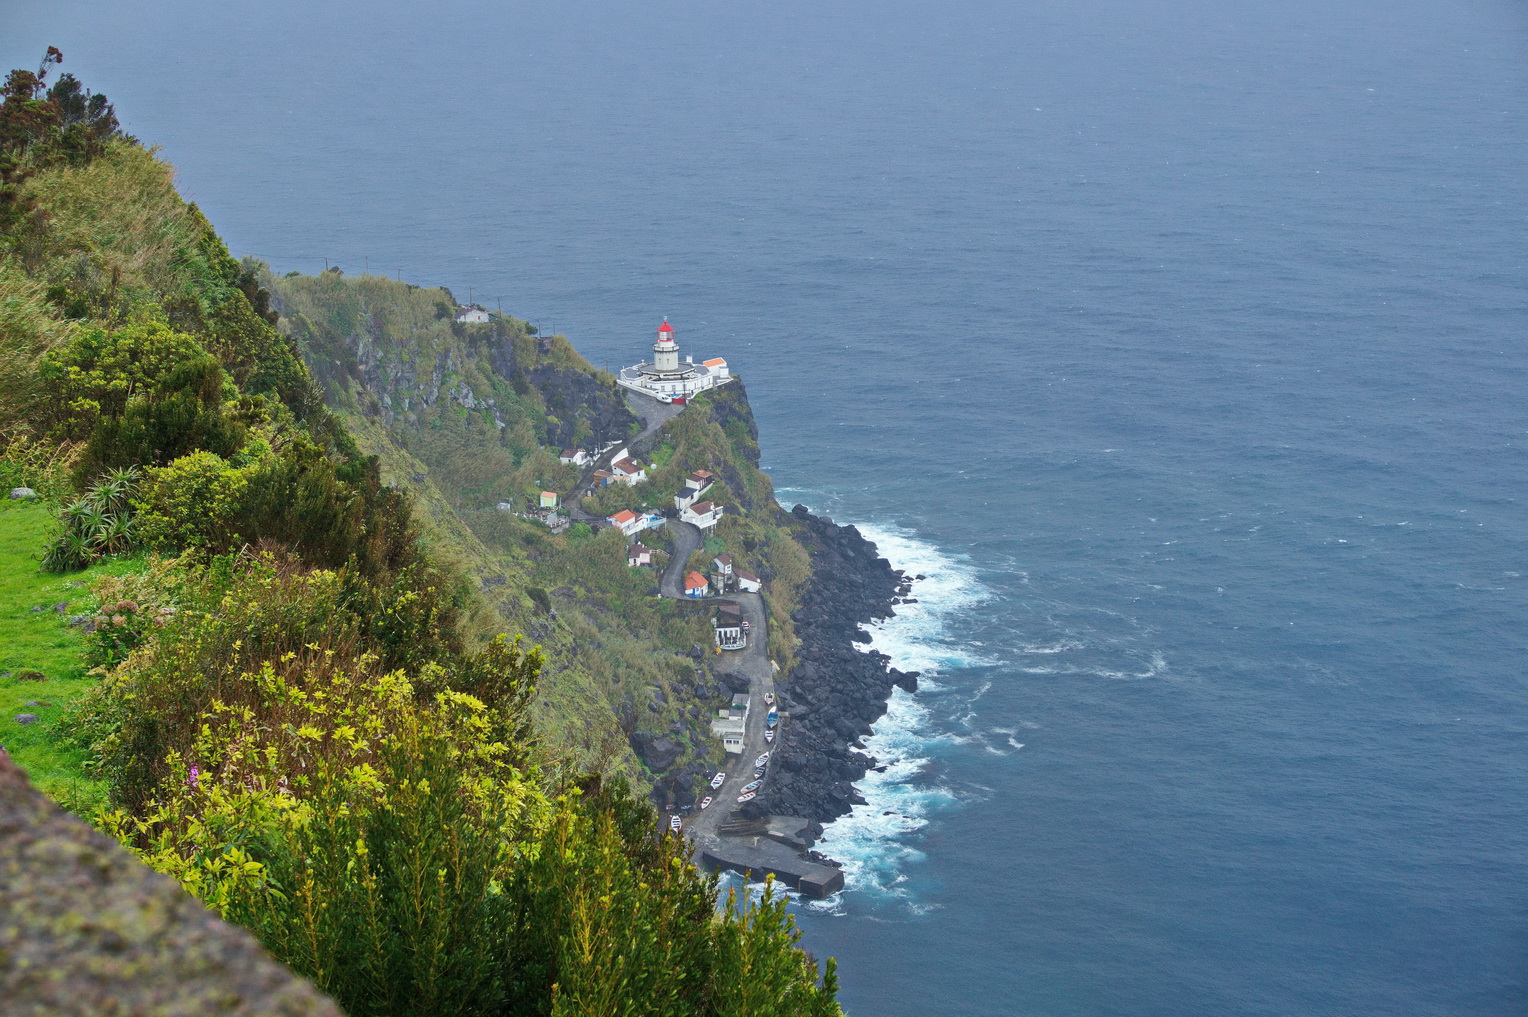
1178,344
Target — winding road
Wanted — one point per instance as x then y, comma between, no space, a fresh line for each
751,661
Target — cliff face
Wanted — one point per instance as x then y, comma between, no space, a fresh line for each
394,352
89,929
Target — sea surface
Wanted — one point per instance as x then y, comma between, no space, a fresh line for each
1180,345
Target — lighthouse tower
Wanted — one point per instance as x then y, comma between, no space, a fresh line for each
665,350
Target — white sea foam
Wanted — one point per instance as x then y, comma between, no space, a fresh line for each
873,840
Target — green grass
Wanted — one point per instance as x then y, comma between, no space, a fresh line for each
42,641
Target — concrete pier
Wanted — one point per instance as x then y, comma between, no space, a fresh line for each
759,855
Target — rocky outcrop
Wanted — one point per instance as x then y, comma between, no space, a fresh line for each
88,929
837,689
574,396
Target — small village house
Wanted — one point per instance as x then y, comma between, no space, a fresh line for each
728,623
703,514
573,457
471,315
747,582
548,499
695,585
695,485
731,723
628,522
629,471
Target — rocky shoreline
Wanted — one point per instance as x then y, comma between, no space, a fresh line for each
838,687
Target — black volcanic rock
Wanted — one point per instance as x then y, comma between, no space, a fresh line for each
836,691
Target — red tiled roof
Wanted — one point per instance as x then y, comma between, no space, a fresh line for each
695,581
700,508
622,517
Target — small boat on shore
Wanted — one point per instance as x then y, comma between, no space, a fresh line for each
704,802
747,798
769,699
769,736
754,786
762,760
674,823
718,780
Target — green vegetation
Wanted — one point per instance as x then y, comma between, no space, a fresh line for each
41,656
290,683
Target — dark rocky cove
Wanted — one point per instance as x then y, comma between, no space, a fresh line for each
838,688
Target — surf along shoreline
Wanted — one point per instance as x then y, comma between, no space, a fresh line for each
839,687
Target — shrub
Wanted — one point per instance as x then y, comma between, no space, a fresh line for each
191,503
363,836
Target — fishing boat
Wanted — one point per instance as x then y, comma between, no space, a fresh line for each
705,801
718,780
769,736
754,786
773,718
746,798
674,823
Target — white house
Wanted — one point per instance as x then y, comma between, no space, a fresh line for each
628,471
730,724
471,315
728,623
573,457
695,585
638,555
695,485
747,581
704,514
628,522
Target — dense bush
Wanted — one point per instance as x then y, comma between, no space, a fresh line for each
389,848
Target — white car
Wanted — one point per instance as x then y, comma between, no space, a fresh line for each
718,781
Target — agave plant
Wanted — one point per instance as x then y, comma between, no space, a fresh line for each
77,510
114,489
69,552
116,536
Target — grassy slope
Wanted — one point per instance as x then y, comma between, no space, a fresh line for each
32,640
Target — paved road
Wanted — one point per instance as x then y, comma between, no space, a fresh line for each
687,540
646,408
751,661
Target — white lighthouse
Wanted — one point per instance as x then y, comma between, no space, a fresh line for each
669,379
665,350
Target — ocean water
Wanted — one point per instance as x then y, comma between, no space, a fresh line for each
1179,344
